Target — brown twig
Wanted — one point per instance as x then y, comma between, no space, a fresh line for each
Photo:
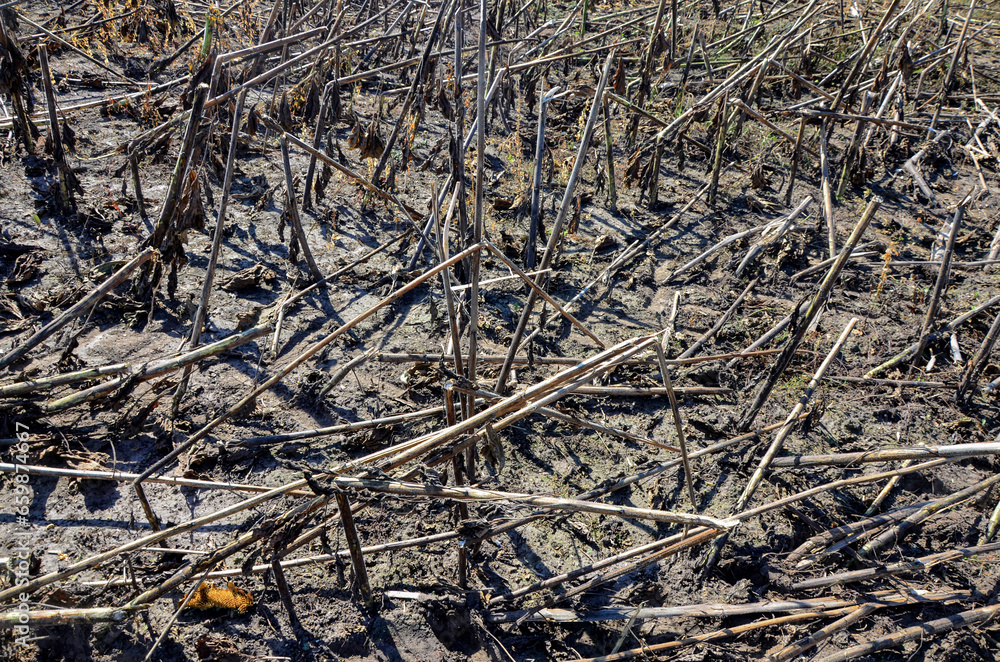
944,273
556,232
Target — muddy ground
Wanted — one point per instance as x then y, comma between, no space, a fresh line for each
49,260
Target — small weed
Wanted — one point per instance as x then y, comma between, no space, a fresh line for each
887,257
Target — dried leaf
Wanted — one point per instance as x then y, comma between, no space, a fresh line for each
208,596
